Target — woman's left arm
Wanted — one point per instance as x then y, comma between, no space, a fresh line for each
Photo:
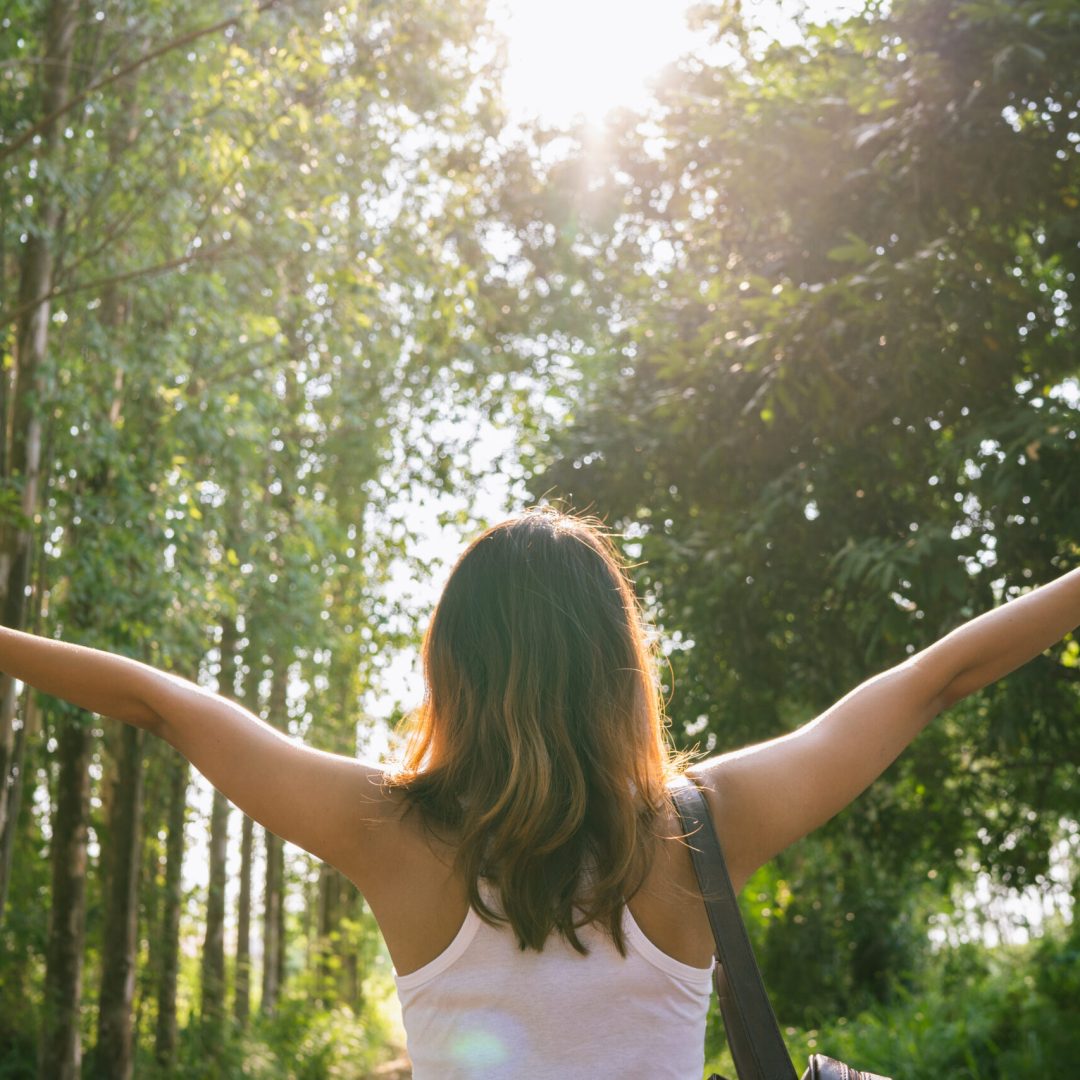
767,796
328,804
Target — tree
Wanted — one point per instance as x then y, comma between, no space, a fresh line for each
213,959
168,945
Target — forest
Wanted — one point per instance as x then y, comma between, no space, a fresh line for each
292,304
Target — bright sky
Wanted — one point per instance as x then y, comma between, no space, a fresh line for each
588,56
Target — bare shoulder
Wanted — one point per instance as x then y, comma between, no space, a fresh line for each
668,908
338,807
417,897
766,796
385,839
711,778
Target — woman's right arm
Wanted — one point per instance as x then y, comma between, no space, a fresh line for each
767,796
329,804
102,682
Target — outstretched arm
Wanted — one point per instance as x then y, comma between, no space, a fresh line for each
329,804
767,796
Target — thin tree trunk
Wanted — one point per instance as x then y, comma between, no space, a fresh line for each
242,999
213,956
310,893
17,971
27,732
329,937
279,956
271,923
354,977
60,1055
273,896
7,723
113,1055
60,1048
165,1037
157,776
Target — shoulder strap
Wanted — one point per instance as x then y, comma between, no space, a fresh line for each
753,1034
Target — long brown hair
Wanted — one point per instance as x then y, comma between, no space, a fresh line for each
541,743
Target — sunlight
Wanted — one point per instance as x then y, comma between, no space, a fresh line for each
585,57
570,57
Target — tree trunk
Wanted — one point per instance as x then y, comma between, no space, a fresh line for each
60,1055
157,774
165,1038
329,935
212,1007
7,731
310,893
242,999
113,1055
19,968
213,956
60,1049
279,955
354,976
22,468
26,733
273,896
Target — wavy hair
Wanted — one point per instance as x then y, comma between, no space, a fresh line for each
541,744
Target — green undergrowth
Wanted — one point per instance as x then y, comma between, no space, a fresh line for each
301,1040
972,1014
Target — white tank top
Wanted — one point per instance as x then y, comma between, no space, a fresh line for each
485,1009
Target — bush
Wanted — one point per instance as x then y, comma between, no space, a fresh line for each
975,1014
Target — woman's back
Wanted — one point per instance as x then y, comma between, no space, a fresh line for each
486,1008
472,999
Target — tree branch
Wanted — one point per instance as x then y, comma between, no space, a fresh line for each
199,255
108,181
207,201
176,43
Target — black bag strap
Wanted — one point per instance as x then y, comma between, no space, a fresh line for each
753,1033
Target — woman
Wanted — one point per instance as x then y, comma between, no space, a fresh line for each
525,864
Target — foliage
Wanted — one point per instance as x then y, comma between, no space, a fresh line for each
974,1013
301,1040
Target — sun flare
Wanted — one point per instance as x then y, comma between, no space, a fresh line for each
585,57
571,57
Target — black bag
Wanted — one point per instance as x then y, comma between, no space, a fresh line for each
753,1034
